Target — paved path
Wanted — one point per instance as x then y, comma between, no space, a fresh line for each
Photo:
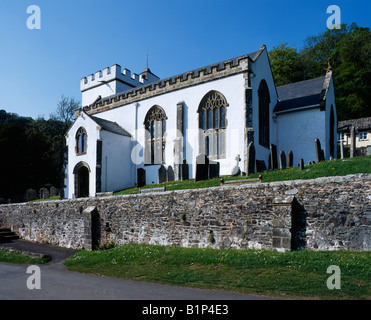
59,284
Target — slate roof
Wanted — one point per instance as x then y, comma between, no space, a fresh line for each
300,94
363,124
110,126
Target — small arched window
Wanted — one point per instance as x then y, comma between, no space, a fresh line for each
81,141
155,129
212,124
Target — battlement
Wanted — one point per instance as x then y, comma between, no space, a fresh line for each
155,86
115,73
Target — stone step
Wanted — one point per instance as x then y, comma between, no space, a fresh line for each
7,235
8,238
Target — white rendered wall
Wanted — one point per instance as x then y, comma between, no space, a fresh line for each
297,132
117,168
90,157
262,71
131,117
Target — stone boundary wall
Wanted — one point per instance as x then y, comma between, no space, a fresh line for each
320,214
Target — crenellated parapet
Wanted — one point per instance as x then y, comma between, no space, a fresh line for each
194,77
115,73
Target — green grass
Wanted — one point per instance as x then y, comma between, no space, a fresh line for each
49,199
297,274
322,169
17,258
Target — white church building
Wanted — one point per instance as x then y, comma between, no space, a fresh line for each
130,125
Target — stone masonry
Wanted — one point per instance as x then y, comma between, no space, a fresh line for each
320,214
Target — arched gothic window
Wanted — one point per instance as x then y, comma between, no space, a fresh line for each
155,129
81,141
213,124
264,101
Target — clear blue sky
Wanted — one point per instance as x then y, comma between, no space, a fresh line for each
80,37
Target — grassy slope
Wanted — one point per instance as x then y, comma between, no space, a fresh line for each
323,169
290,274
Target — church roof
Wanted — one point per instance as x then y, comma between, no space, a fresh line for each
110,126
300,94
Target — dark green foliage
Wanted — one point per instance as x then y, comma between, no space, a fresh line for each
349,52
31,154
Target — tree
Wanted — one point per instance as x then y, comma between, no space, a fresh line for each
285,64
65,111
31,154
349,51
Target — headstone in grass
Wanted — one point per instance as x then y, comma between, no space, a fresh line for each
54,192
162,174
214,169
301,164
269,161
202,167
141,177
184,170
44,193
31,195
290,159
353,149
170,174
260,166
273,149
282,160
319,152
250,167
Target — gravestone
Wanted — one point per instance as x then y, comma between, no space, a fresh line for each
319,151
184,170
162,174
54,192
269,161
353,149
301,164
31,195
141,177
341,150
260,166
170,174
250,168
236,169
214,169
282,160
202,167
290,159
44,193
273,149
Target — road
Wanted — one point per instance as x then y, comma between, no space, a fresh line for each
59,284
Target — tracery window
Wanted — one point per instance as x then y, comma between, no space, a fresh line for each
213,124
264,101
155,140
81,141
